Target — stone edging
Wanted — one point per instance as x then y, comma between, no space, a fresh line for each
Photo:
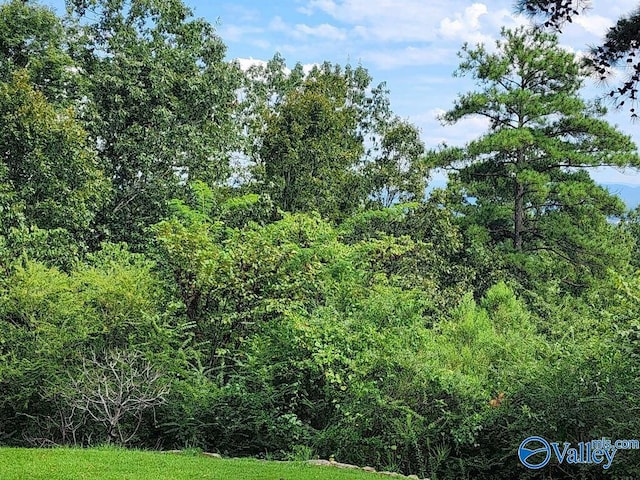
330,463
324,463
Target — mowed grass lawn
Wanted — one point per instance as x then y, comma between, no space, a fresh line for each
120,464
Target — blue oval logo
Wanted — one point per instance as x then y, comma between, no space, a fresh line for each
534,447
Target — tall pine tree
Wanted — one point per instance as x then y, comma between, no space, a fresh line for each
526,176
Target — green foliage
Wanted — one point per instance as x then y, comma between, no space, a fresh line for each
327,141
311,142
32,38
161,104
398,173
315,303
48,169
231,207
345,346
439,251
526,175
56,247
230,279
53,322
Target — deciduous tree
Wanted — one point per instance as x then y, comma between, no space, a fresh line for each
48,169
33,38
163,99
327,140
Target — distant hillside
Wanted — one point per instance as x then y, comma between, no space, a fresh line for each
630,194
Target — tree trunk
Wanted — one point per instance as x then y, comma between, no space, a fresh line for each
518,215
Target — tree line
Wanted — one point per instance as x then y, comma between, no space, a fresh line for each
197,256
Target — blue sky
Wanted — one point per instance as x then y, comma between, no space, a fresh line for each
409,44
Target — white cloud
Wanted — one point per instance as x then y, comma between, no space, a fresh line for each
278,25
385,20
243,14
411,57
246,63
505,17
391,34
260,43
392,21
362,32
458,134
479,24
465,24
322,5
594,24
302,31
618,7
469,128
325,31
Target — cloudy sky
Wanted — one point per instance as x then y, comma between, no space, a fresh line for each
409,44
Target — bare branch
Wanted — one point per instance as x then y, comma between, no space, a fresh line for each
115,391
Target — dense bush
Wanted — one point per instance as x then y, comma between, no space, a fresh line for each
282,337
429,337
54,324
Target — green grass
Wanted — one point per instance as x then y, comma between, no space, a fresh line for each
120,464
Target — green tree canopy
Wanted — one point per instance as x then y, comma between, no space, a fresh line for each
47,168
312,146
525,177
33,38
327,140
162,99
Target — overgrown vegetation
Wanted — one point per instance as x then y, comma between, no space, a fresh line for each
310,301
